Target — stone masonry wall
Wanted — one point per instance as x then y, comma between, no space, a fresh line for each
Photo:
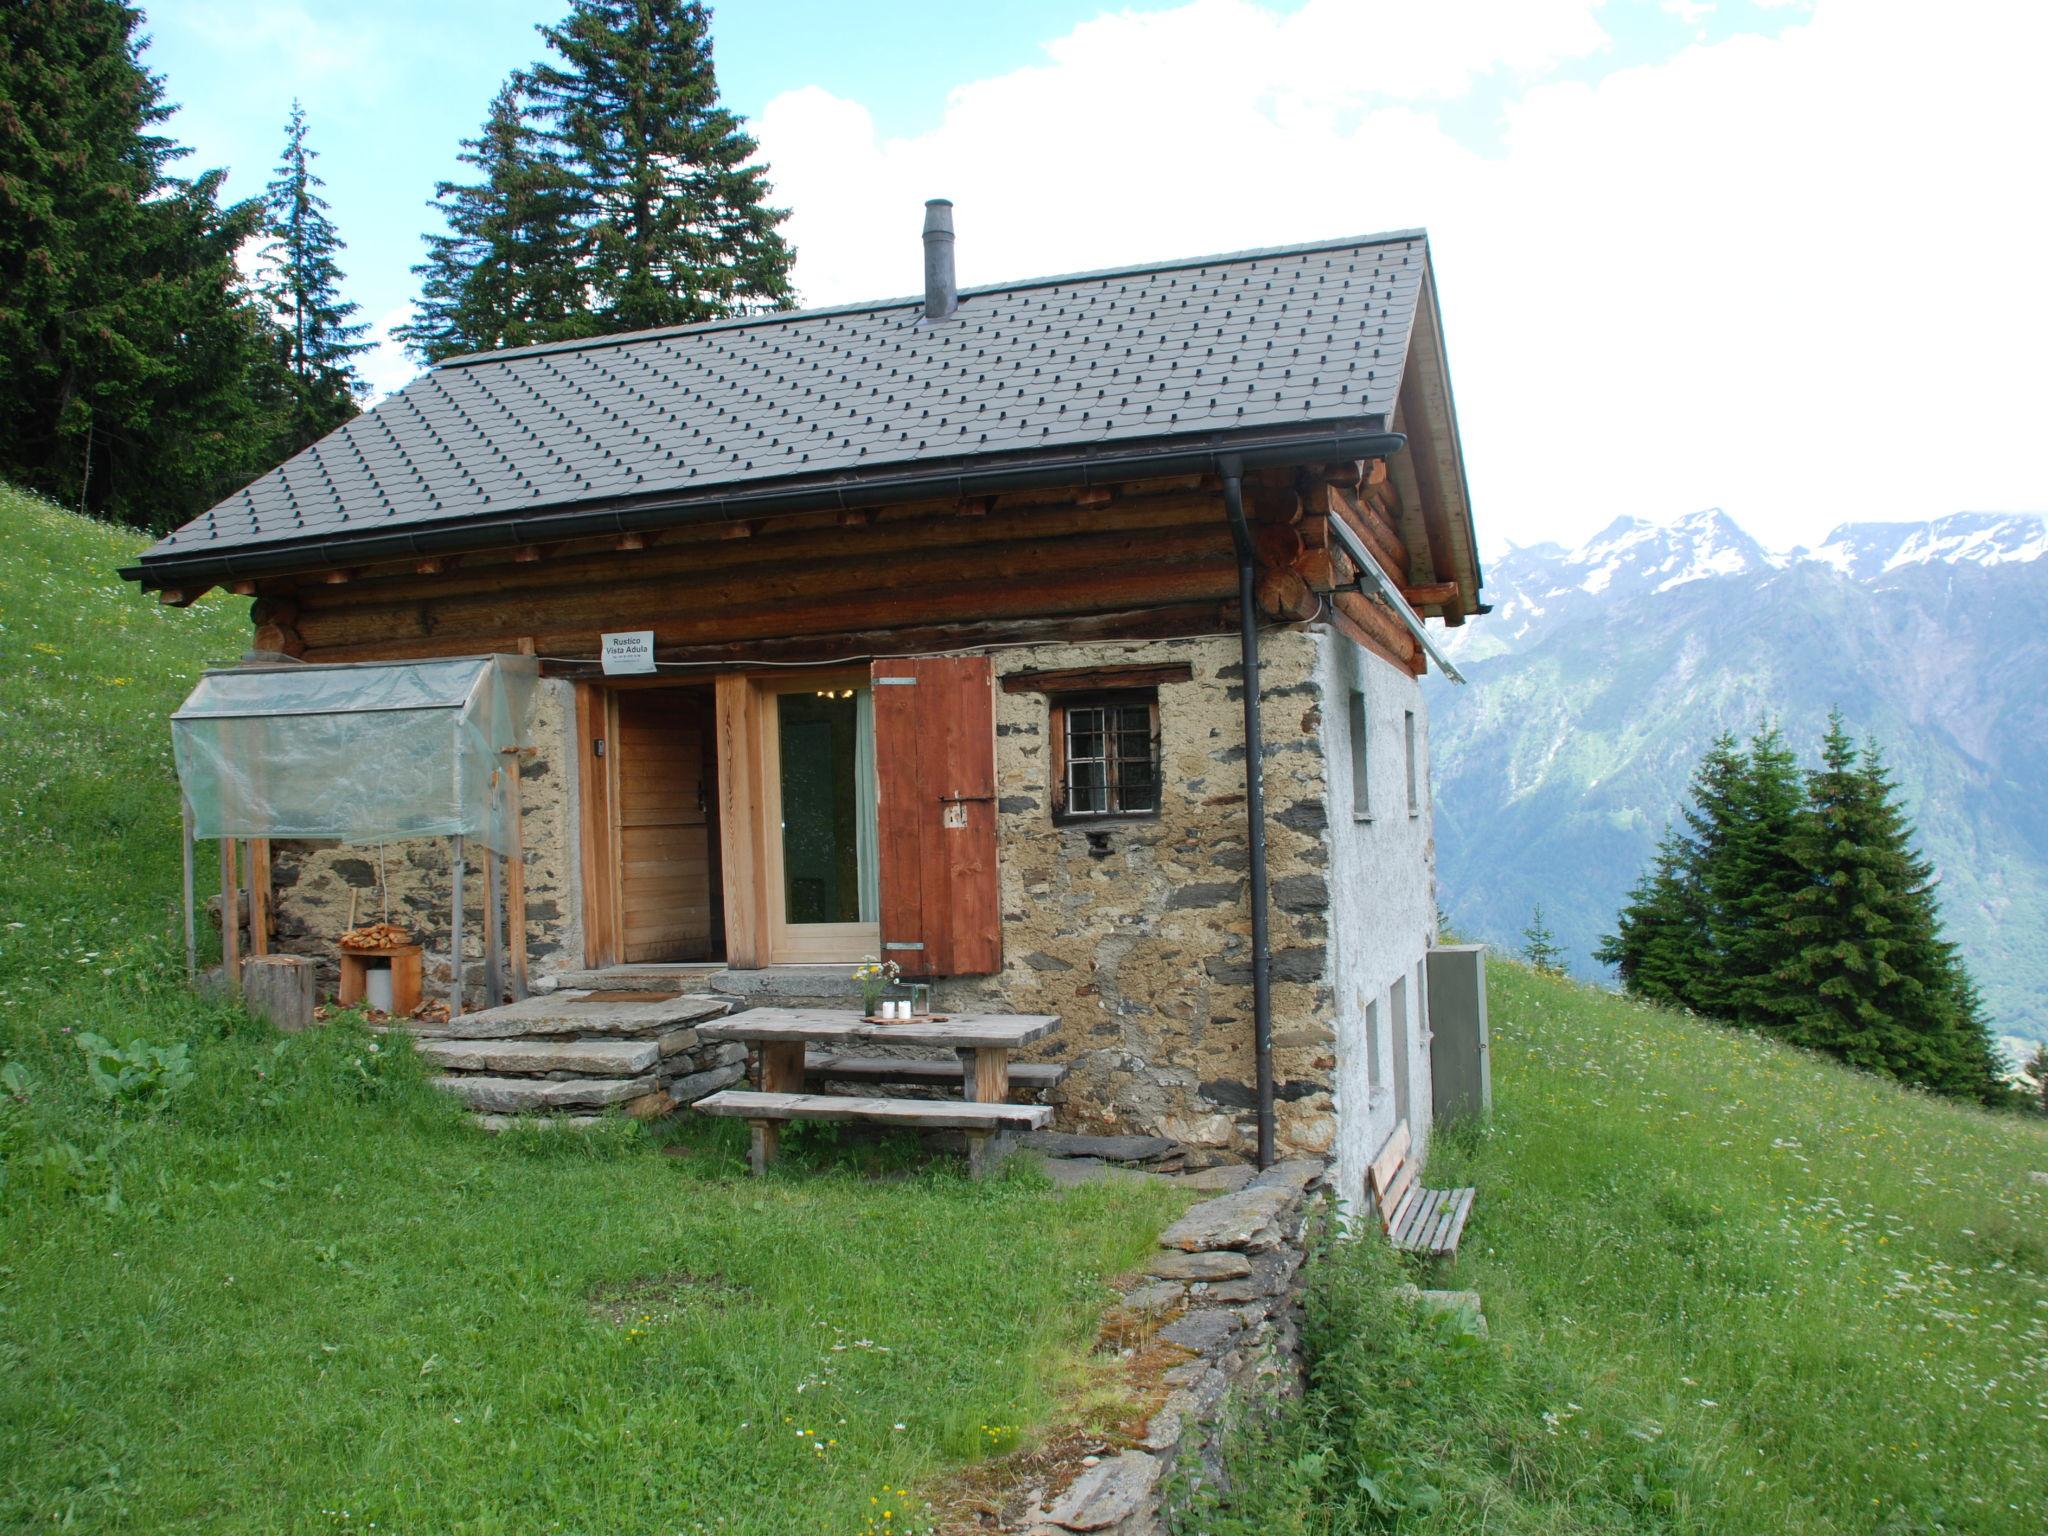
1138,933
313,880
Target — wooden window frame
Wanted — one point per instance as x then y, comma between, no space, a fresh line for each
1121,698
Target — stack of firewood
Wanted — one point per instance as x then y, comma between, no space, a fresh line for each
376,936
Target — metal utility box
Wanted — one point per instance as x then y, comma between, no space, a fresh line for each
1460,1061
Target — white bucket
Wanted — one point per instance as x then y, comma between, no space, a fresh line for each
377,986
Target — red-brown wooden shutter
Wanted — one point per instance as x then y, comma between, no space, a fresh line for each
935,790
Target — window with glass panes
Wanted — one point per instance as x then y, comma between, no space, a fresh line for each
1108,755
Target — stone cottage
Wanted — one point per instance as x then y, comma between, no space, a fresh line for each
1058,640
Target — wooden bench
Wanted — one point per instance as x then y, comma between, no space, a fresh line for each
985,1124
928,1071
1415,1219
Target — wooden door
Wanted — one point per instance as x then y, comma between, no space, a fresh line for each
935,777
661,837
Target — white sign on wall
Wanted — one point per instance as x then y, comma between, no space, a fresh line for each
632,651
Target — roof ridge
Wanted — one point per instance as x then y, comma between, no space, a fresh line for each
869,306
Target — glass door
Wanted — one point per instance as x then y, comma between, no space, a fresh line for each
823,887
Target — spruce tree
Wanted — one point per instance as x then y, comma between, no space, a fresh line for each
679,224
1713,818
1661,927
322,340
2037,1069
137,379
1752,876
1869,977
1539,945
505,274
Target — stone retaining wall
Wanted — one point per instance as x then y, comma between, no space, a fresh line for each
1222,1294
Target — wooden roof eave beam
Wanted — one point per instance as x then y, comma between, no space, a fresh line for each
1371,578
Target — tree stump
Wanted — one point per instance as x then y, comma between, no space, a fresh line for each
279,988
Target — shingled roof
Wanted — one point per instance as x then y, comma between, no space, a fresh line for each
1257,344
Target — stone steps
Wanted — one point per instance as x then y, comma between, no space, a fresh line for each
513,1095
639,978
582,1016
542,1058
574,1050
789,986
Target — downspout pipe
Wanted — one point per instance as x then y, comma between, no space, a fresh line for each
1232,470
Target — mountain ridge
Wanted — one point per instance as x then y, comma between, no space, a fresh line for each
1604,670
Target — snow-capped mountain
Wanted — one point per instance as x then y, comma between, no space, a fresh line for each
1868,551
1532,586
1603,671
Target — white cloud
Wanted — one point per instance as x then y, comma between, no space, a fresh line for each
1791,276
385,368
293,43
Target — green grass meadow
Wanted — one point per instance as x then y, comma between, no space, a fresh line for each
1730,1288
251,1284
301,1293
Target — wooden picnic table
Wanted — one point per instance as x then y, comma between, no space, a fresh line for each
984,1042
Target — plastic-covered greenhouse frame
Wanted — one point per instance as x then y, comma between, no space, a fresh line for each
359,752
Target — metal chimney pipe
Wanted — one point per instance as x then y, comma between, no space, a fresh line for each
941,289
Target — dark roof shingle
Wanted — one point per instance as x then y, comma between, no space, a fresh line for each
1296,336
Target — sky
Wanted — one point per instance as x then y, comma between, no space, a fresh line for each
1778,257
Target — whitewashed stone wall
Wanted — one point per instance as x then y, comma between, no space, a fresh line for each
1382,910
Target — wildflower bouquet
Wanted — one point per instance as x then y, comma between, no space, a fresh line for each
875,977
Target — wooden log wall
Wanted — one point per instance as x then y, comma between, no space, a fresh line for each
1142,559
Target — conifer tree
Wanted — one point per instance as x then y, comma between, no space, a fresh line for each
1662,926
2037,1069
1713,817
137,378
1752,875
1869,977
322,340
505,274
1539,945
679,225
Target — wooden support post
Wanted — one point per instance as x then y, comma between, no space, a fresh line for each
259,896
494,949
191,924
985,1074
515,876
984,1151
764,1141
230,916
455,933
782,1066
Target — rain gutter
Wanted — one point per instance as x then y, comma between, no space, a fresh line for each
1362,438
1374,582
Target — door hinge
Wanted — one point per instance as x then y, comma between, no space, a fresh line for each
903,946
